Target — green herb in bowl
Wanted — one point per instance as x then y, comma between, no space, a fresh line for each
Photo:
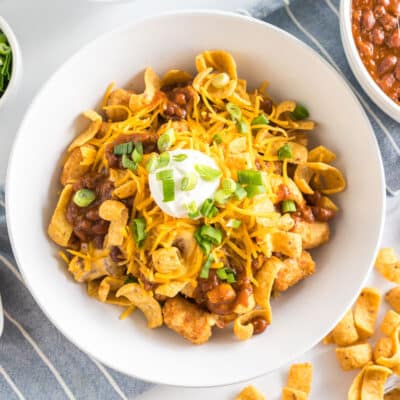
5,63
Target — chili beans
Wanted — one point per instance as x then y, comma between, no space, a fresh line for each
180,102
376,33
259,325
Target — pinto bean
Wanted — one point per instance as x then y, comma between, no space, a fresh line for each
259,325
323,214
388,22
367,20
387,64
397,71
378,36
366,48
393,41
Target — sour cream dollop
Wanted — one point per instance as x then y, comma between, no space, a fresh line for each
203,190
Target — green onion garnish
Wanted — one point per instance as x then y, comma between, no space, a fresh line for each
123,148
234,223
189,182
206,207
205,269
249,177
5,63
234,111
207,173
179,157
221,197
288,206
168,187
152,164
260,120
165,174
138,228
163,160
300,112
226,274
231,278
240,193
139,147
166,140
4,49
204,245
228,185
242,127
217,139
193,211
128,163
84,197
136,156
211,234
3,38
285,152
254,190
221,273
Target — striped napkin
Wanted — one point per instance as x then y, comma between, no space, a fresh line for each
36,361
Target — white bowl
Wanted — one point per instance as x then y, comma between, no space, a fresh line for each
375,93
304,314
16,71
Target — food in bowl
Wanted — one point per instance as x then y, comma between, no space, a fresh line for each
195,200
5,63
376,33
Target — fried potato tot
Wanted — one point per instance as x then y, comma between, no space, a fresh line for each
354,357
188,320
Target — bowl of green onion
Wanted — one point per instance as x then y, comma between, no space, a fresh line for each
10,62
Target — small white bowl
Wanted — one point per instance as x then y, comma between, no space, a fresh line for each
16,72
376,94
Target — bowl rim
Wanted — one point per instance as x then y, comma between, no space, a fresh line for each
167,14
16,57
371,88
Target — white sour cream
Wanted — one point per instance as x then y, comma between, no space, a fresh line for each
203,190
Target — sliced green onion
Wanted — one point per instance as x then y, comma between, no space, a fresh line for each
130,279
221,273
249,177
211,234
3,38
234,223
228,185
220,80
204,245
231,278
260,120
193,211
214,211
206,207
138,229
205,269
240,193
123,148
128,163
166,140
180,157
152,164
288,206
165,174
254,190
300,112
242,126
139,147
285,152
168,187
163,160
189,182
234,111
84,197
217,139
136,156
207,173
221,197
4,49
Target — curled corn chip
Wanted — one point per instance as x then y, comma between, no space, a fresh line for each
387,264
93,291
240,96
108,284
302,177
118,214
250,393
218,60
299,152
366,311
321,154
383,348
90,132
77,163
242,326
152,86
393,298
60,230
287,243
394,359
353,357
345,332
201,78
326,202
171,289
111,210
300,377
390,322
174,76
144,301
127,189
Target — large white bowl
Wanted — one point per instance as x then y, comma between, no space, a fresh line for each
304,314
376,94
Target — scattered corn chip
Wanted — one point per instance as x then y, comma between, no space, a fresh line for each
354,357
366,311
390,322
393,298
345,332
387,264
250,393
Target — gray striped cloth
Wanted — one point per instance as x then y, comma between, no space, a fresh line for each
36,361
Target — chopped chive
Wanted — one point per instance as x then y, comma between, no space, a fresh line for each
180,157
260,120
123,148
152,163
254,190
136,156
138,229
168,187
285,152
221,197
240,193
221,273
242,126
205,269
211,234
300,112
166,140
234,112
189,182
206,207
228,185
204,245
139,147
128,163
217,139
231,278
165,174
250,177
163,160
288,206
234,223
84,197
207,173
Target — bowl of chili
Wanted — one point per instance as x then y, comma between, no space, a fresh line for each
371,39
10,62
